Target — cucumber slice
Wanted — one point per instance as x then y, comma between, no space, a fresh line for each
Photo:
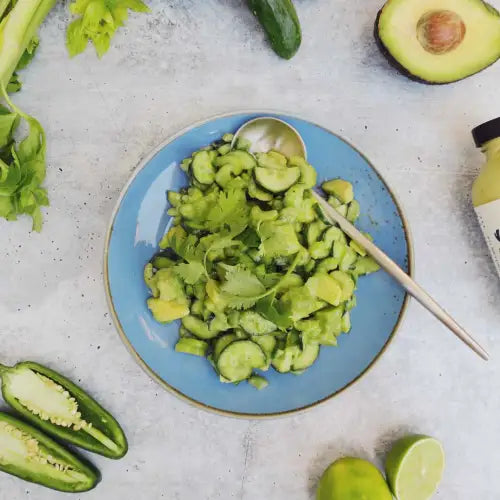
222,342
283,358
257,193
333,202
267,343
224,149
342,210
357,248
348,259
191,346
308,175
341,189
307,357
353,211
243,144
202,168
345,282
162,262
237,361
351,303
198,327
277,180
258,382
239,159
254,324
346,322
185,164
271,160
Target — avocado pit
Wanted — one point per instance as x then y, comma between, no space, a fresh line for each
440,31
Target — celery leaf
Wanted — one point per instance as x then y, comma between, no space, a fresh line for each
97,22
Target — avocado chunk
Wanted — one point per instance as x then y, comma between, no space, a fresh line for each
165,311
170,285
299,303
169,301
341,189
438,41
325,288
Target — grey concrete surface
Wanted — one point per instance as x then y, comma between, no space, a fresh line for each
188,60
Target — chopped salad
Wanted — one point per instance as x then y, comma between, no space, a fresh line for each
256,275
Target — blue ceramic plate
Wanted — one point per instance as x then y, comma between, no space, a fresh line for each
139,222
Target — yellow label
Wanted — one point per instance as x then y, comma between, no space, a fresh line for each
489,218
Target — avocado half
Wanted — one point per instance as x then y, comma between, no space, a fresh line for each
438,41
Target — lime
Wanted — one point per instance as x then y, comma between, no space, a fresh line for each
414,467
352,479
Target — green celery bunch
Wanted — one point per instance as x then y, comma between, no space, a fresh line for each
22,163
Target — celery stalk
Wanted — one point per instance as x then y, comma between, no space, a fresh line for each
40,14
16,31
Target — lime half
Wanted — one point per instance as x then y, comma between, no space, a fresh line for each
414,467
352,479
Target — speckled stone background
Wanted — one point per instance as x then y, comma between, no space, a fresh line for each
188,60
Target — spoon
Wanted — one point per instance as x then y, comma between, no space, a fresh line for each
270,133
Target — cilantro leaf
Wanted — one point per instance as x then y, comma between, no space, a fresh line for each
98,23
241,288
188,248
250,238
193,252
242,282
269,309
230,212
190,273
237,302
218,241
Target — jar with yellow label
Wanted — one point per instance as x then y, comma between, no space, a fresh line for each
486,188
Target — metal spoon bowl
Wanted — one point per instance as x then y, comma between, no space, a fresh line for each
266,133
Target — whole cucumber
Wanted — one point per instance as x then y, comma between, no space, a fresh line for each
280,21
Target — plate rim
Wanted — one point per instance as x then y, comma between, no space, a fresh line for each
149,371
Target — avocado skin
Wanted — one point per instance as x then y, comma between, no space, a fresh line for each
401,69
